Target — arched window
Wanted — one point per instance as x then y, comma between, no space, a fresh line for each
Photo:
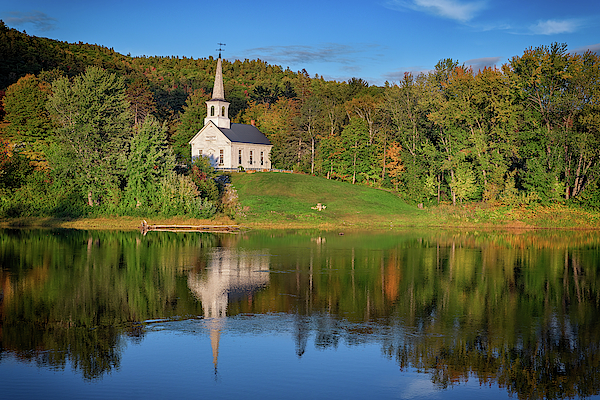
212,111
223,111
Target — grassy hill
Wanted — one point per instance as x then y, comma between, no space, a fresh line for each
285,200
278,200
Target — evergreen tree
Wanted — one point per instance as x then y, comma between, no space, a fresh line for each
141,101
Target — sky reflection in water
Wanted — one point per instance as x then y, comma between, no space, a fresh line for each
425,315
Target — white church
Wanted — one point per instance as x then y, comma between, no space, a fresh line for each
229,146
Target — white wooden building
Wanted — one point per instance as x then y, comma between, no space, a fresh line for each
228,145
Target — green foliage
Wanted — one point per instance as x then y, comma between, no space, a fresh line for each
93,133
150,159
351,157
203,174
40,196
178,195
191,121
14,168
536,116
463,184
141,100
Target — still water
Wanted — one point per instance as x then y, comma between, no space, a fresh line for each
297,315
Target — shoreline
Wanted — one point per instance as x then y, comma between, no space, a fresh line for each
433,219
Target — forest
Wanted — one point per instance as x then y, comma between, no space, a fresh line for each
88,131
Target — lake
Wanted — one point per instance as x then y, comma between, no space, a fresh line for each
427,314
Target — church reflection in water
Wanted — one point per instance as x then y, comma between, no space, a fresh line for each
231,274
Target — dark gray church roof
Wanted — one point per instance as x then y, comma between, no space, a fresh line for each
243,133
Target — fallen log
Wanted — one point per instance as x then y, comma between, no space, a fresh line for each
145,228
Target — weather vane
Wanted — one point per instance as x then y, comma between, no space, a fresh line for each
220,49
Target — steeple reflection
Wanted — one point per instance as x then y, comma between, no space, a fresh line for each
230,274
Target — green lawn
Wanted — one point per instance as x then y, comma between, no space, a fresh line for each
272,198
280,200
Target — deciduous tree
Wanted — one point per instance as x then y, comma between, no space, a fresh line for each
94,130
26,113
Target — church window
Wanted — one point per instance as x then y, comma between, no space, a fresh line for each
200,152
240,157
223,111
262,158
221,157
250,156
212,111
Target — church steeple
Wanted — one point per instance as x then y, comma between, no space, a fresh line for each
217,109
218,91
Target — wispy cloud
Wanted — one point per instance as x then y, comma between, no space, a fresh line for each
594,48
304,54
38,19
397,76
480,63
452,9
555,26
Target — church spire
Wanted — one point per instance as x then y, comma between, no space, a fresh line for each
217,108
218,90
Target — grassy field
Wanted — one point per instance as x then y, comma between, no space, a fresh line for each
287,200
278,200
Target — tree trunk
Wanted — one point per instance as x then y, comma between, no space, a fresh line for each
439,188
384,158
354,164
451,189
312,155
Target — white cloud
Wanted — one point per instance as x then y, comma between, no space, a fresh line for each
554,26
451,9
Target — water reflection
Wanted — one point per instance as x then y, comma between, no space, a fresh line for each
520,312
230,274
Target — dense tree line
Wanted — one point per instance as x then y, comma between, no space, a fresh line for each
524,133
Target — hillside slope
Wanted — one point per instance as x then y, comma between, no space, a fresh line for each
281,199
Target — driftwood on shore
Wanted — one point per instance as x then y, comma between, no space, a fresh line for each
145,228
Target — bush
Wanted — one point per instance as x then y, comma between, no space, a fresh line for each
39,196
178,195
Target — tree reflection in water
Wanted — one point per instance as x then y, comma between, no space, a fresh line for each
520,311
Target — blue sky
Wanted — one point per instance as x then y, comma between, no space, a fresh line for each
376,40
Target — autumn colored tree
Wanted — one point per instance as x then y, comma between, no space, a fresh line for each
26,113
279,124
394,165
